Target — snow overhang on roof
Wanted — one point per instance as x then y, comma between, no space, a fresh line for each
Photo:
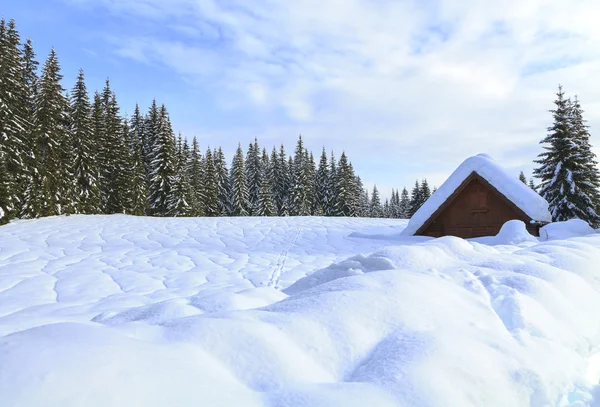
532,204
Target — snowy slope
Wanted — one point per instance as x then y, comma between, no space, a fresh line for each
124,311
510,186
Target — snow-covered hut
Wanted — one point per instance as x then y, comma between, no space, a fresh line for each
477,199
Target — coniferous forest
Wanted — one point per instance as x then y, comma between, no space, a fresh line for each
69,152
65,151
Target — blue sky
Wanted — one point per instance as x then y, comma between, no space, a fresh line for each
407,88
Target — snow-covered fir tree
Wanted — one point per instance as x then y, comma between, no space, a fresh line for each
322,185
223,185
162,167
239,186
332,208
415,199
563,168
138,188
425,192
15,124
376,211
345,188
404,206
195,176
522,178
300,202
52,140
211,191
253,176
282,184
84,166
266,206
590,185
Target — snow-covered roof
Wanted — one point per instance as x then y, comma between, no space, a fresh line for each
508,185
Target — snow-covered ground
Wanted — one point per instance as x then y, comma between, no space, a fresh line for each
125,311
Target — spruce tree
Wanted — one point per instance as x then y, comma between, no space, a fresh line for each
196,178
150,136
404,206
51,183
239,187
415,199
590,184
308,177
300,205
162,167
223,185
365,202
563,170
181,189
85,170
375,209
532,185
282,185
522,178
332,206
253,176
425,192
14,119
345,188
211,190
266,206
322,185
113,153
138,189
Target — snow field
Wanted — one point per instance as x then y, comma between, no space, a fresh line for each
123,311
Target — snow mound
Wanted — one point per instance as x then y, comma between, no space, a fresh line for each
565,230
123,311
513,232
511,187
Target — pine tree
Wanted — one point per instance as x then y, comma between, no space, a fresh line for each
282,184
150,137
266,206
425,192
14,121
29,79
162,166
138,189
253,176
239,187
211,192
322,185
51,183
333,207
590,184
375,208
195,175
522,178
223,185
300,205
365,203
404,206
387,212
114,153
532,185
181,189
308,176
415,199
563,169
85,170
345,188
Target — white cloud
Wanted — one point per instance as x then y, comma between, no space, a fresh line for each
414,85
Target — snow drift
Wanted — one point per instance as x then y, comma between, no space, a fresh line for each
120,311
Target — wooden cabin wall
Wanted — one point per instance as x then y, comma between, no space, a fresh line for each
476,211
